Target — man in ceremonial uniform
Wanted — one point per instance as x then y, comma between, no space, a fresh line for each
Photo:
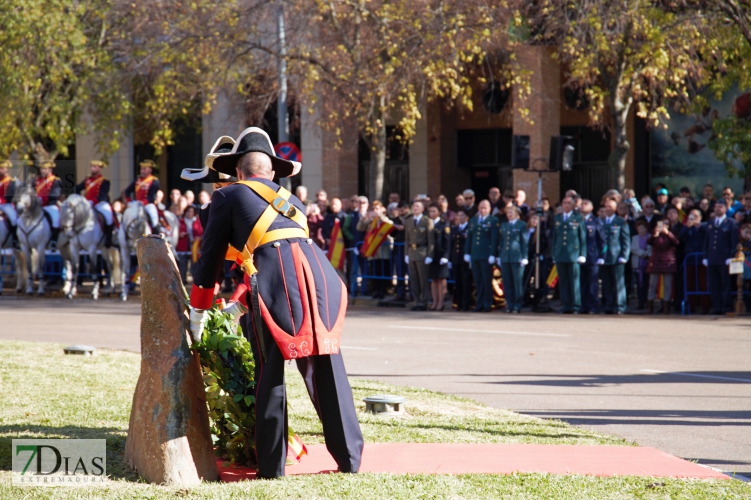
296,300
590,270
49,189
719,247
96,189
7,192
144,189
569,243
480,251
420,241
461,269
617,250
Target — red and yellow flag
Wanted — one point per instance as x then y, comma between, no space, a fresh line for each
296,446
336,250
552,277
195,250
374,238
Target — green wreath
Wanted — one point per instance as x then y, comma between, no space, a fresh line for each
228,375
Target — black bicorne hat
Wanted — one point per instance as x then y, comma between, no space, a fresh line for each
207,174
254,139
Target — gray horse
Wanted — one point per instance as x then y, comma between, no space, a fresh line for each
83,233
34,233
134,225
8,214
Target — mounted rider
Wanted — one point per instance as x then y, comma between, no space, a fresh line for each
144,189
96,189
8,185
49,188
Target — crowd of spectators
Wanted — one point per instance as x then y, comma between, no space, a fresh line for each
662,230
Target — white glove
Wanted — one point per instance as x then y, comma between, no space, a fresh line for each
467,258
727,262
524,262
443,261
406,259
450,266
705,262
197,321
621,260
491,260
356,251
428,260
581,260
235,309
600,262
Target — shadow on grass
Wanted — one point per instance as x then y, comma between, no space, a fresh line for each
116,467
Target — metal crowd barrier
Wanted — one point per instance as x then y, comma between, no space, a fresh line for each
54,267
394,269
697,274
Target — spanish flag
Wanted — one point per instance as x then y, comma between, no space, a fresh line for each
195,250
336,251
296,447
552,277
136,276
374,238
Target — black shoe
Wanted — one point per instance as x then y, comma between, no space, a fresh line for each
619,313
419,308
574,312
478,310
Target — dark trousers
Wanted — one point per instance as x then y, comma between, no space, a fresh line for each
613,288
568,283
482,272
512,274
462,284
418,282
589,281
719,288
326,380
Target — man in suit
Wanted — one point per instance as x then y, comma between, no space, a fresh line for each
295,302
617,250
420,241
479,251
569,243
590,271
747,207
461,270
719,247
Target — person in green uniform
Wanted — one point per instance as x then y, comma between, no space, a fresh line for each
480,251
569,243
512,258
617,250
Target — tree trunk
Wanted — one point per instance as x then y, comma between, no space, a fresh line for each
378,154
617,160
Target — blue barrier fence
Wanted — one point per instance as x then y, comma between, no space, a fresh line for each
54,266
696,281
392,269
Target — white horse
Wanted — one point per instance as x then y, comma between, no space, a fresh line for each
8,213
34,233
134,225
83,232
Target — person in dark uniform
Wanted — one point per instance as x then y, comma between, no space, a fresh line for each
297,301
569,244
439,268
590,271
461,269
480,251
96,189
420,241
49,188
617,250
719,247
144,189
512,258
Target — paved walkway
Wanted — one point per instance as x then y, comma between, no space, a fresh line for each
413,458
681,385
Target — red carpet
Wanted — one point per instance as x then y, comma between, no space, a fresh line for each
454,458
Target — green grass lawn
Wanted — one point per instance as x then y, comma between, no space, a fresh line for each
48,394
